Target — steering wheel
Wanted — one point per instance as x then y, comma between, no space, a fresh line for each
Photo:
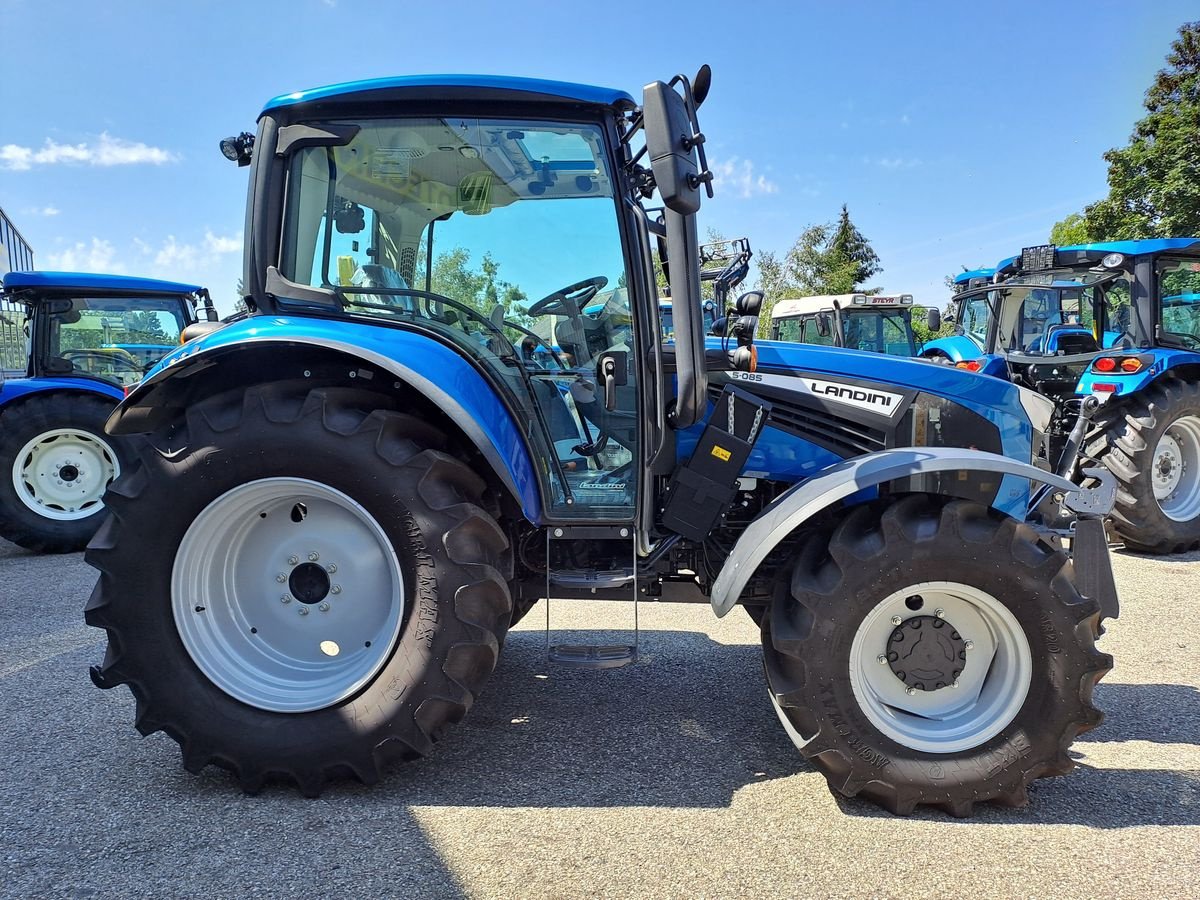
573,295
97,361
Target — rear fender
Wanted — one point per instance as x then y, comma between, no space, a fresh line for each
1182,363
799,504
444,378
16,389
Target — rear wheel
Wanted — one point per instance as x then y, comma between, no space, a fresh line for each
306,589
932,651
55,464
1151,442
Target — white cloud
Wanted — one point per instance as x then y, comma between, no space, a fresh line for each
897,162
738,174
171,258
41,211
905,120
97,256
107,151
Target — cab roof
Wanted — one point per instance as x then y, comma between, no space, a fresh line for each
800,306
85,281
456,87
1139,247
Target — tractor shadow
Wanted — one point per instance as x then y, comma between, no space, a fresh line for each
690,724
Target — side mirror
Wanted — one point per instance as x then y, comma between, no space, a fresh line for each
933,317
824,328
674,144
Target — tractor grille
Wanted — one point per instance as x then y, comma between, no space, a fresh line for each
835,434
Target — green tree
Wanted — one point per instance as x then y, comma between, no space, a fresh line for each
834,258
1154,181
1071,230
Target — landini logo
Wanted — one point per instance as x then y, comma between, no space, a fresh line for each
876,401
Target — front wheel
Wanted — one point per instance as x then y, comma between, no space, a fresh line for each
55,464
932,651
1151,442
305,589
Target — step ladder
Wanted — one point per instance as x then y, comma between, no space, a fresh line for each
593,656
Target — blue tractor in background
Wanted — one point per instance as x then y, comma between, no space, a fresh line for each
344,500
82,341
1112,329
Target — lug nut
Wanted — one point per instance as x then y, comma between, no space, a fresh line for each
293,560
968,645
910,691
304,610
331,568
281,577
285,599
896,620
954,683
940,613
336,589
314,556
881,659
324,607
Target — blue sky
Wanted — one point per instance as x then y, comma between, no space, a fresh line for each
957,133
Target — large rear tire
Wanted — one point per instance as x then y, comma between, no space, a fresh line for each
300,587
55,464
1151,442
932,651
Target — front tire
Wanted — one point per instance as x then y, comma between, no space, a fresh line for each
1151,443
55,464
932,651
307,589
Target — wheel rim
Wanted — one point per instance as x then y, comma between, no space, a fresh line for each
978,638
62,474
287,594
1175,470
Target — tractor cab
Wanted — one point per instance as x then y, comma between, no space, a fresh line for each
880,323
107,329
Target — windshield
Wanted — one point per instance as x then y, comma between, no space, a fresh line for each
117,340
880,330
1179,290
667,320
502,236
1060,312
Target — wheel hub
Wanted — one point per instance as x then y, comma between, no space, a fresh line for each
926,653
1175,470
62,474
309,583
68,473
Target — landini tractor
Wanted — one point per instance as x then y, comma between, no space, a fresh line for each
345,499
83,342
1112,329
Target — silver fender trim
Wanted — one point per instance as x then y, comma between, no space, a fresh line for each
793,508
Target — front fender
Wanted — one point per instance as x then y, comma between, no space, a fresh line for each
434,370
792,508
957,347
17,388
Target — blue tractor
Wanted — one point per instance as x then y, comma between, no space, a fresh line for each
344,500
85,340
1114,328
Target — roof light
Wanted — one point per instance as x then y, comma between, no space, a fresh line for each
859,299
1104,364
1113,260
906,298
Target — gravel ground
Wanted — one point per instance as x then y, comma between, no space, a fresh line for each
668,778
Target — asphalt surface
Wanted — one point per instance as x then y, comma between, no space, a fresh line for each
668,778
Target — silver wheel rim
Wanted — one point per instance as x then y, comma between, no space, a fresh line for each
62,474
1175,470
259,619
997,668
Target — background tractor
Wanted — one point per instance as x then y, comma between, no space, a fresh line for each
880,323
83,340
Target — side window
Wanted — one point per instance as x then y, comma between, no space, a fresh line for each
116,340
812,336
1179,299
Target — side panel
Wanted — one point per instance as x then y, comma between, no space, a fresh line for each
440,374
793,508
